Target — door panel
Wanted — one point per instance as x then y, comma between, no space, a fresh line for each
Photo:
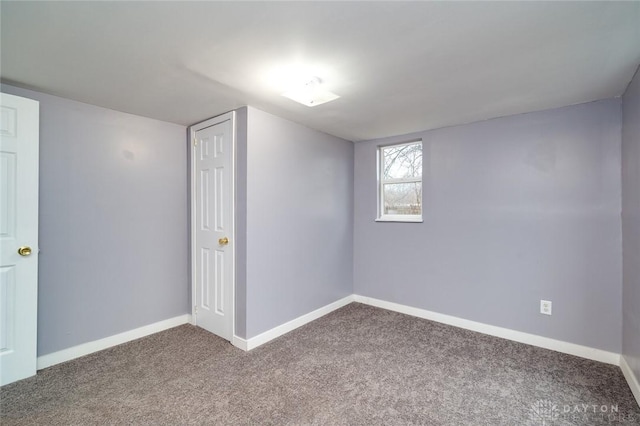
7,307
219,282
213,231
19,144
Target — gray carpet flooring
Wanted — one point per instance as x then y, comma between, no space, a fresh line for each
356,366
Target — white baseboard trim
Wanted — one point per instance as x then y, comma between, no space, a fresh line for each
261,339
239,343
634,384
505,333
74,352
253,342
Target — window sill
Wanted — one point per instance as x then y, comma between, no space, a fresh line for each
400,219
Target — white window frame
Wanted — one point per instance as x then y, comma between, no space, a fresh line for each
382,217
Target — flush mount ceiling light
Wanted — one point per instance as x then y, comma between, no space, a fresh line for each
310,93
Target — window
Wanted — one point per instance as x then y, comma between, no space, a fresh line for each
400,182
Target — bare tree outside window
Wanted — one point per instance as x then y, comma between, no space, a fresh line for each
401,181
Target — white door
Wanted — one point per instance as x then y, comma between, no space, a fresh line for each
19,145
212,224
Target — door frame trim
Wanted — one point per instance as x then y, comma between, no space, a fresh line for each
192,206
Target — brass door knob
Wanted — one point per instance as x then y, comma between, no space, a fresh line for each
223,241
24,251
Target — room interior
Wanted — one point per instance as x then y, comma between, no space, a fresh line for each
529,117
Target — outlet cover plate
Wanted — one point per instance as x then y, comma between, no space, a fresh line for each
545,307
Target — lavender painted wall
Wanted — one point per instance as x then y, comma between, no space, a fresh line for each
113,222
299,216
631,225
517,209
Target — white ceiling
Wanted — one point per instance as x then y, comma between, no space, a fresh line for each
399,67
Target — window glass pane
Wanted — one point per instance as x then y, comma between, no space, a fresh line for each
403,198
404,161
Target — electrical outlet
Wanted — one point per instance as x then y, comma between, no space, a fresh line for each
545,307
